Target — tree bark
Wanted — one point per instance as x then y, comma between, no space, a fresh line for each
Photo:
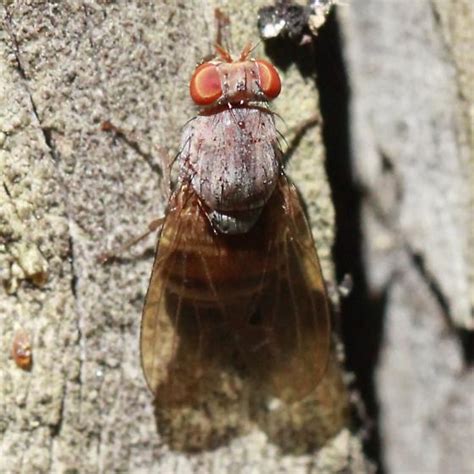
410,72
71,191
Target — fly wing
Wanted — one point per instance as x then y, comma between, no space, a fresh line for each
253,304
161,339
289,350
196,294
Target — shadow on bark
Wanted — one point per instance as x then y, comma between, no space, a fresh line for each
362,311
229,406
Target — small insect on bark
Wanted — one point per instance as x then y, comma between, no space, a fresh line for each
236,282
22,352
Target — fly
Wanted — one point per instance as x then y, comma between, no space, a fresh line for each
236,282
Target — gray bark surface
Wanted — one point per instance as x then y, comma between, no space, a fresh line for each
71,191
410,68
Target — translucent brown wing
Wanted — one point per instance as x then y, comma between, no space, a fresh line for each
195,295
293,306
252,303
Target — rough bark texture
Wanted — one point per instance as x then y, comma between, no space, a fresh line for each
398,115
410,72
71,192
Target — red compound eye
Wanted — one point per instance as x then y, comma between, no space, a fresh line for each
269,79
205,86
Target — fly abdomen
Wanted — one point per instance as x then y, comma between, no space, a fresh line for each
215,275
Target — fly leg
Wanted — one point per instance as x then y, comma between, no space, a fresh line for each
152,227
163,171
297,133
223,36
